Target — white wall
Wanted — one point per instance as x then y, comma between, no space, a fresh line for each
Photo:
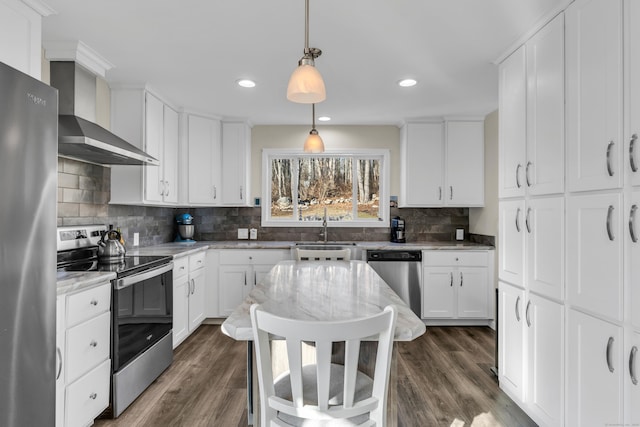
485,220
334,137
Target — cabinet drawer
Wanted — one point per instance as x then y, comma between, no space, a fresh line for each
87,304
264,256
88,397
87,345
197,260
455,258
180,267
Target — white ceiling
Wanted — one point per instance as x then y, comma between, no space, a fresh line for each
192,52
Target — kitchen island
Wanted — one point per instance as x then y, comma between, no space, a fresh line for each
324,291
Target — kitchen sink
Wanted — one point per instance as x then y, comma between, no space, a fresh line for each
356,252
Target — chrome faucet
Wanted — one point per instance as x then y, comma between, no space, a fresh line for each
323,233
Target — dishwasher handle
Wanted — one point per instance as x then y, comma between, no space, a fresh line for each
394,255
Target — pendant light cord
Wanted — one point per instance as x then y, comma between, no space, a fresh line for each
306,27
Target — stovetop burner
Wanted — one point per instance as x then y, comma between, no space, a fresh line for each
130,264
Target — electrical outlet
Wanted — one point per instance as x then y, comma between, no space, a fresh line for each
136,239
243,233
253,234
459,233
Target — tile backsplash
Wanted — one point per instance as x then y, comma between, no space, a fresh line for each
84,194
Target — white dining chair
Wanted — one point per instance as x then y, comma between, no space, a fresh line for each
323,254
324,393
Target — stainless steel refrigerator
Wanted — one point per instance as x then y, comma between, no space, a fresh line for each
28,191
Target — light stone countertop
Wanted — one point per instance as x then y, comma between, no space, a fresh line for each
71,281
323,290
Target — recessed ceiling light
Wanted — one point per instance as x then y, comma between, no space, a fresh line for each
324,118
246,83
407,82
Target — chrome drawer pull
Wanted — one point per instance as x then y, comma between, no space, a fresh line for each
439,193
609,230
632,365
632,223
609,166
461,279
451,192
518,175
518,308
609,349
632,158
451,277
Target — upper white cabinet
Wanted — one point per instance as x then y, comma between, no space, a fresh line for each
531,102
594,94
145,121
217,169
442,164
632,90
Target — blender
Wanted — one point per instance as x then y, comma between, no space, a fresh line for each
185,228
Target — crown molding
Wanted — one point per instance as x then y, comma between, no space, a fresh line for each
78,52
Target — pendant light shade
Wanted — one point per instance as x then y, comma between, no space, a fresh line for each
306,85
313,143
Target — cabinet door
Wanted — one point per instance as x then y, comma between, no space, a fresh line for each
544,170
633,254
544,223
196,298
632,90
512,229
422,165
594,94
472,288
170,157
512,126
439,293
594,253
545,336
21,29
594,388
464,183
154,137
204,161
180,309
235,161
60,358
511,344
233,287
633,376
260,272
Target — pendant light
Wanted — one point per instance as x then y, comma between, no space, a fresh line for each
314,143
305,84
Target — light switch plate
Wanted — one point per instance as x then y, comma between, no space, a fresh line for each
459,233
136,239
243,233
253,234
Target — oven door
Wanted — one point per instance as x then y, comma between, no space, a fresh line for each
142,313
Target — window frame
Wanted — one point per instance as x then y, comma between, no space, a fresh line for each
382,155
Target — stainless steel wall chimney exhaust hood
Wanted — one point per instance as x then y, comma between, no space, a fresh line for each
79,136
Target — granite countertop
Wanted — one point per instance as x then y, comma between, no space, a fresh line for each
323,290
71,281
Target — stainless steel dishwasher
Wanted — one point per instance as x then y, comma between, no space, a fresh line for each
402,271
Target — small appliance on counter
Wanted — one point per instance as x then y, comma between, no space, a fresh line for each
185,228
397,230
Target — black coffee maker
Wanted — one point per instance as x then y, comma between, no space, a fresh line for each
397,230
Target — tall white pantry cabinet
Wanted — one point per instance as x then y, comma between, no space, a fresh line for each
569,261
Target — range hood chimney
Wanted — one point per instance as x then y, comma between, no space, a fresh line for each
79,137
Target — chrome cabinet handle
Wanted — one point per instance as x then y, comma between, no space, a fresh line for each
526,221
518,220
632,365
241,192
451,279
609,349
193,289
609,229
215,192
59,370
461,279
161,188
167,187
632,158
527,314
609,165
93,396
451,192
632,223
245,278
439,193
518,308
526,174
93,344
93,302
518,175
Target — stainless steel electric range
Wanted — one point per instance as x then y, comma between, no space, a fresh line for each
141,311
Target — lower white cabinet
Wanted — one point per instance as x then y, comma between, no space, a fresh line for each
633,379
84,369
456,285
511,340
240,270
188,295
595,371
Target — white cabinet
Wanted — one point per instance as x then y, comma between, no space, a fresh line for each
594,387
511,345
240,270
147,122
188,295
442,164
21,29
594,253
511,237
633,379
633,254
236,158
84,342
594,94
456,285
531,153
632,90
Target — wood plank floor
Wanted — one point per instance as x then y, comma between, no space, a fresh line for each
443,380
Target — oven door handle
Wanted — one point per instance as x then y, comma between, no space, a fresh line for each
136,278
